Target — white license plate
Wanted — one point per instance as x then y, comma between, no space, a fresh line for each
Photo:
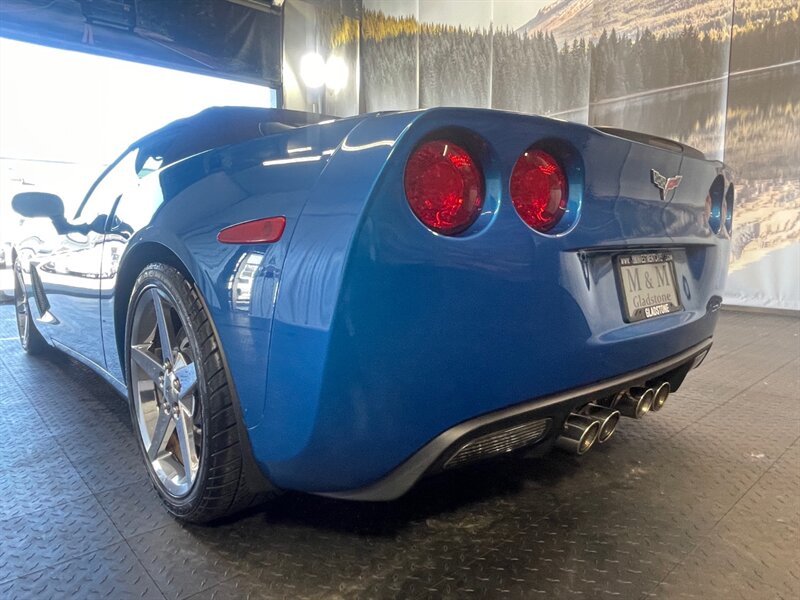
647,285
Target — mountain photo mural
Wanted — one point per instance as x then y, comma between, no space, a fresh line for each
762,144
723,77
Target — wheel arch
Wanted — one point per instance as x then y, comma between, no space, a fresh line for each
136,258
134,261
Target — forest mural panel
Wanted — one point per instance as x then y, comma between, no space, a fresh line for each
762,144
390,55
455,49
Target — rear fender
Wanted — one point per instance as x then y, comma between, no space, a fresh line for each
311,280
196,198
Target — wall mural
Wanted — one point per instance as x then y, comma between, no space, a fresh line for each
721,76
762,143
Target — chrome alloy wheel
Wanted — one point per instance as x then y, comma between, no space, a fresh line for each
163,386
21,304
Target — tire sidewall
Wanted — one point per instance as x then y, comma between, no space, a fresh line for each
173,285
19,288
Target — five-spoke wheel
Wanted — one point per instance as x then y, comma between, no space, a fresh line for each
182,406
164,380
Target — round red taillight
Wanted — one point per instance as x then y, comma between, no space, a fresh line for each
444,187
539,190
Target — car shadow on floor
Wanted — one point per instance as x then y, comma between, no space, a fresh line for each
445,493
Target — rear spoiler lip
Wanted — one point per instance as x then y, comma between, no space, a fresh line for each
653,140
629,135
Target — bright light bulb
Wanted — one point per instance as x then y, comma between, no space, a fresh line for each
336,73
312,70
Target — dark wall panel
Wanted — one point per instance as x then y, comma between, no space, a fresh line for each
236,39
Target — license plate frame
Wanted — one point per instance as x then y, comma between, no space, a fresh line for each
648,263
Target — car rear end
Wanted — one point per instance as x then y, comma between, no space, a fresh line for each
506,274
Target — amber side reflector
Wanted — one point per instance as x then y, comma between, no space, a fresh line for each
260,231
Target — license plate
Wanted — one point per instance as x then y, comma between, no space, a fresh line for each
647,285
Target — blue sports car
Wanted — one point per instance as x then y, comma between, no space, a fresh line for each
343,306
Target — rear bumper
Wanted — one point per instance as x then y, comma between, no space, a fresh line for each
542,418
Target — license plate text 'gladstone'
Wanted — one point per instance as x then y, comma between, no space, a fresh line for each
648,285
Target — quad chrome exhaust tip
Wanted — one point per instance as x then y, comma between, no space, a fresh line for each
660,396
606,418
579,434
636,402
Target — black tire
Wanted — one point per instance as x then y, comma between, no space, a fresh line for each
226,479
30,339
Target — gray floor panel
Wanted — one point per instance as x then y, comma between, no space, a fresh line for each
699,501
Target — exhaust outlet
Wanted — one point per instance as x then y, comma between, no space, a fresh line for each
636,402
579,434
661,395
606,418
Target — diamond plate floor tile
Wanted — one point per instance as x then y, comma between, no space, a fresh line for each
783,382
15,455
8,326
106,409
736,331
616,544
9,391
732,373
105,457
771,507
752,551
135,508
44,483
701,500
33,541
20,423
245,588
184,560
112,572
726,571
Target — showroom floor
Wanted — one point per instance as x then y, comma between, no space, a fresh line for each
701,500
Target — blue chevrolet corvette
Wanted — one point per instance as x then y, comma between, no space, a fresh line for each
343,306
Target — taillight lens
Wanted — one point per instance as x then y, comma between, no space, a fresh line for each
444,187
539,190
